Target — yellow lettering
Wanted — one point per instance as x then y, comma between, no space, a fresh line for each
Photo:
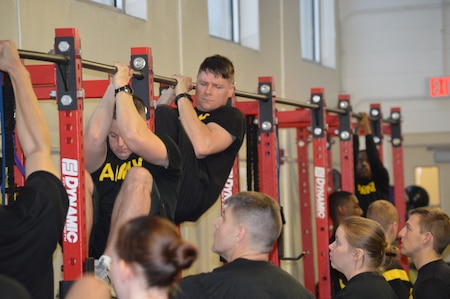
121,170
203,116
107,173
137,162
367,189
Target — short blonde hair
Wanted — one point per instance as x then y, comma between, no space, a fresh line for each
383,212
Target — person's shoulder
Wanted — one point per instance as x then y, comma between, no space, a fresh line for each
439,268
192,286
432,288
192,279
227,109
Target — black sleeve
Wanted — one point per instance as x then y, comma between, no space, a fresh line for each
379,172
231,119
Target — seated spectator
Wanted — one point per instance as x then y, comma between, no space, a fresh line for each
385,213
358,252
341,204
424,238
147,257
244,237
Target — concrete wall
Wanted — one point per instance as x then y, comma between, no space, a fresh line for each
389,50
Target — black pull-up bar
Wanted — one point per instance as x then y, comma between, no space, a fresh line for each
244,94
61,59
43,56
111,69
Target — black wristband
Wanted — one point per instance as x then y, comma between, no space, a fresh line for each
182,95
127,88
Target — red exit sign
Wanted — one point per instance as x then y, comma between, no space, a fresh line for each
439,86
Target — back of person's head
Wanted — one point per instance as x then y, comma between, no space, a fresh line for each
336,200
262,216
385,213
368,235
437,222
219,65
11,289
155,244
140,107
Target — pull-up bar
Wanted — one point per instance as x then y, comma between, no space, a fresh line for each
43,56
244,94
60,59
111,69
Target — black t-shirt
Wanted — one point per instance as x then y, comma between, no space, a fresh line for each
244,279
433,281
204,179
367,191
367,285
30,229
108,180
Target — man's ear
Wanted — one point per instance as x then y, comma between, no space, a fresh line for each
341,210
241,232
231,90
428,238
393,229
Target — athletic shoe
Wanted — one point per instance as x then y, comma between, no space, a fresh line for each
102,271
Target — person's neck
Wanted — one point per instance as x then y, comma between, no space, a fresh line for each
362,269
253,256
425,258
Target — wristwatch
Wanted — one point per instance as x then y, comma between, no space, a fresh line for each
127,88
182,95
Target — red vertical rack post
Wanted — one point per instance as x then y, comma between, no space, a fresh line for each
267,148
305,208
70,105
319,134
346,144
301,120
399,180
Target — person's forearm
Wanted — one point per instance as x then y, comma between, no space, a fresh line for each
32,128
198,132
100,121
367,128
167,97
97,131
